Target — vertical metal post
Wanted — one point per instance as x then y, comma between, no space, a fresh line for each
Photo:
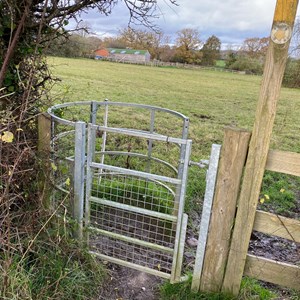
176,258
211,177
91,133
150,142
93,115
185,131
181,247
79,166
105,122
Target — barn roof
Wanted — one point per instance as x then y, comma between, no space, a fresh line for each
127,51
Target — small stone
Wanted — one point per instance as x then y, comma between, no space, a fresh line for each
143,289
189,255
192,242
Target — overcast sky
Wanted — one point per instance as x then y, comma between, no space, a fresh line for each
231,20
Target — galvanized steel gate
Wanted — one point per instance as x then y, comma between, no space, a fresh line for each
134,197
134,216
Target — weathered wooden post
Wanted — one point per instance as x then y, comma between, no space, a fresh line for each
285,13
232,161
44,139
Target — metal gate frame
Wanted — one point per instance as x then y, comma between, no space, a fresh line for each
84,167
178,217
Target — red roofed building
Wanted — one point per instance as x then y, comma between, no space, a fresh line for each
101,53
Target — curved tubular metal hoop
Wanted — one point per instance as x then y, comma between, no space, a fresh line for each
51,110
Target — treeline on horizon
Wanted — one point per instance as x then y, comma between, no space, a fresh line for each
188,48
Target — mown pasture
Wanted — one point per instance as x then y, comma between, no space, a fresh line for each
211,99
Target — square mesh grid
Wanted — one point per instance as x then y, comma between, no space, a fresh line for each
132,224
134,191
132,253
154,231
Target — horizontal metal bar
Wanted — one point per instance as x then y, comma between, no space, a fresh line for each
100,173
135,173
135,209
131,265
139,155
142,134
131,240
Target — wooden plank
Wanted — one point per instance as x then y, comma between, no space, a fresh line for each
284,162
273,271
259,146
233,157
277,225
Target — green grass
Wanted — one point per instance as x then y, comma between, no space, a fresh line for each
59,269
145,194
250,290
278,193
212,100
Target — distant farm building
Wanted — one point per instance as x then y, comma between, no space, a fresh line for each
101,53
123,55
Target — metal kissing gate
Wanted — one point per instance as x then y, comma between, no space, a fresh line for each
129,181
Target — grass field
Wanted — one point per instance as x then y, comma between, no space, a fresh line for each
212,100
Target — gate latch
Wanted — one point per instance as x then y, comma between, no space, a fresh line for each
203,163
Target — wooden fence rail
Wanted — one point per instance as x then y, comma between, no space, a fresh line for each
283,162
272,271
277,225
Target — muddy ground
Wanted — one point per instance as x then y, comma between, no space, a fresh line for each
128,284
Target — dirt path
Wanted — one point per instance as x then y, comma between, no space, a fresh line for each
127,284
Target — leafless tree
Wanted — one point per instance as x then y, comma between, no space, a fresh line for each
44,16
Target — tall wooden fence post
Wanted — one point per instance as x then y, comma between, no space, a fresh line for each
284,18
233,157
44,139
